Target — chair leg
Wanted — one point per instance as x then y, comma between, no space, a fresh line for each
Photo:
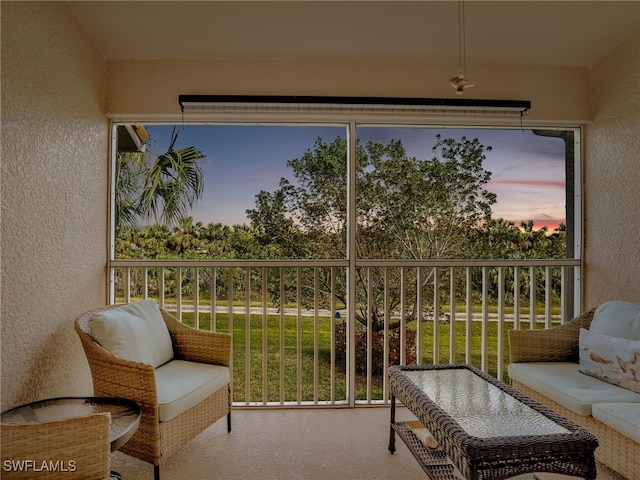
156,472
229,412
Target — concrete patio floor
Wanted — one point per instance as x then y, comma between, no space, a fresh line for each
296,444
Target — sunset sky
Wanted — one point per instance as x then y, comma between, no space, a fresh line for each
528,173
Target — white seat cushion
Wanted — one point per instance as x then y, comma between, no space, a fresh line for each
564,383
134,331
623,417
181,385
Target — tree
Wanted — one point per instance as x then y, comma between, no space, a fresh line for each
406,207
186,236
130,167
501,239
163,190
425,208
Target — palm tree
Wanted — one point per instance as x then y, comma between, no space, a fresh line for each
186,235
163,191
130,169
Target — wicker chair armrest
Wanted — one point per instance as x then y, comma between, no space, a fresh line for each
557,344
198,345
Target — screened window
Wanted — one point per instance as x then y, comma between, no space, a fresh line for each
273,190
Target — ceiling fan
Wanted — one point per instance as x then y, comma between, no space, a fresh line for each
459,82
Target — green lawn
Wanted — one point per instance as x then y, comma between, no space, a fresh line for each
294,379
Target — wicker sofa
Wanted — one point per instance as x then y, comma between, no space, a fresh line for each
549,365
178,375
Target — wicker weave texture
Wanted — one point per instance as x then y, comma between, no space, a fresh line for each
155,441
561,343
73,449
558,344
435,463
497,458
618,452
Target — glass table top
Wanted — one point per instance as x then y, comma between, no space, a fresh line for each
125,414
480,408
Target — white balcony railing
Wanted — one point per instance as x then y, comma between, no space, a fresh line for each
306,334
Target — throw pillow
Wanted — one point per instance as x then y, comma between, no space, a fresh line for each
135,331
612,359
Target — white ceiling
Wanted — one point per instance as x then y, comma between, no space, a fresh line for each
564,33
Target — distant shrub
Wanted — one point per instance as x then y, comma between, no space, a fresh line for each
377,348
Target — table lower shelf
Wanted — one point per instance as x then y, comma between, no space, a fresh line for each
434,462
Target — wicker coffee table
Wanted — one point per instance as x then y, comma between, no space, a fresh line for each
485,429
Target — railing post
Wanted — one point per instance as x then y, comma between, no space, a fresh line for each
547,296
214,300
316,335
127,286
436,315
516,297
370,309
500,347
247,335
196,297
469,324
282,350
161,287
419,314
485,319
387,319
452,315
265,330
145,286
334,309
403,313
532,297
179,292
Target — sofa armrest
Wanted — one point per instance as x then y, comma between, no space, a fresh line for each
198,345
557,344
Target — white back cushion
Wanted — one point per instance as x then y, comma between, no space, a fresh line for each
135,331
617,319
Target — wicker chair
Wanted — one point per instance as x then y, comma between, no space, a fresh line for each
113,376
73,448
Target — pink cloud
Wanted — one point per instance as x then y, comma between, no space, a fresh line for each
551,224
530,183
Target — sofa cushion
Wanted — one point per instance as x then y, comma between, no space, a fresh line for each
181,385
134,331
623,417
612,359
564,383
617,319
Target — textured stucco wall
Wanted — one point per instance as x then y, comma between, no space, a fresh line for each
612,179
560,95
54,198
